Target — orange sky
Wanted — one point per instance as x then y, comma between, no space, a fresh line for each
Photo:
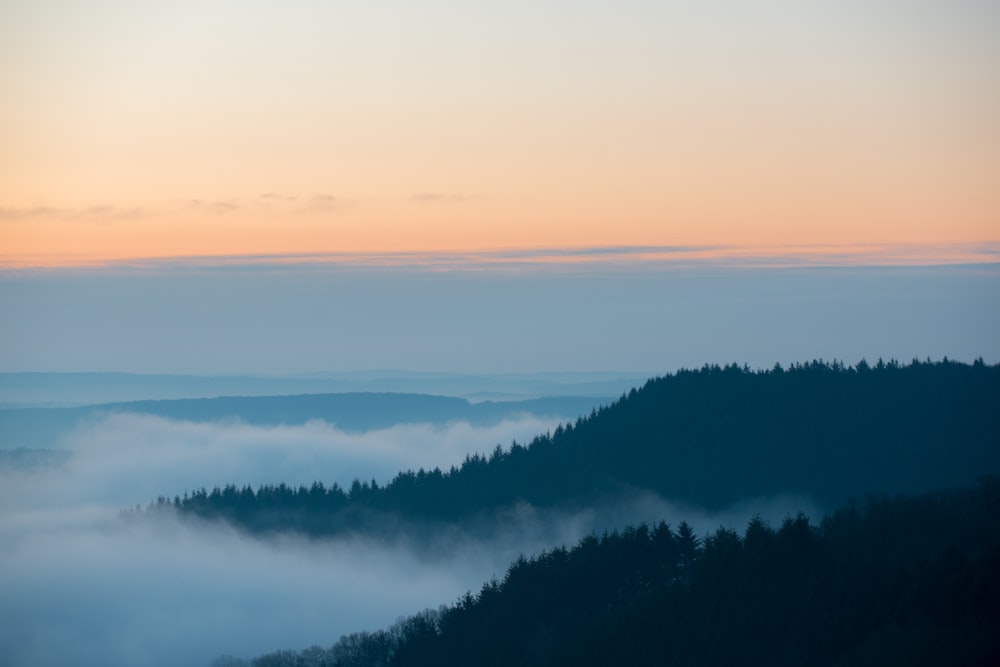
175,129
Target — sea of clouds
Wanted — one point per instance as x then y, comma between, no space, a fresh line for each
81,584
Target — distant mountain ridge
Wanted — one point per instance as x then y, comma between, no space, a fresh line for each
29,389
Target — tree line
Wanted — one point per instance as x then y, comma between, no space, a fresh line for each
711,437
888,581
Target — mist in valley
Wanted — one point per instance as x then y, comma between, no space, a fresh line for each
81,583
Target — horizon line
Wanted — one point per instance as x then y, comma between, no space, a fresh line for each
553,258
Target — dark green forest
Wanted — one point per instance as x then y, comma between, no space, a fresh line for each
888,581
910,575
709,437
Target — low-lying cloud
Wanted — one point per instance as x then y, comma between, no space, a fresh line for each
85,588
127,458
81,585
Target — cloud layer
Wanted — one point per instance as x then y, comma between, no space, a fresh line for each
124,458
81,585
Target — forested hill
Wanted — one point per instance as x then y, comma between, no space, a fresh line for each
900,581
711,437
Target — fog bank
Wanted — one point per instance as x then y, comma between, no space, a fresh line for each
81,585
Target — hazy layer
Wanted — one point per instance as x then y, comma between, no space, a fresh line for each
645,319
123,459
79,585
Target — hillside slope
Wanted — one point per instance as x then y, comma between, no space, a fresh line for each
892,581
711,437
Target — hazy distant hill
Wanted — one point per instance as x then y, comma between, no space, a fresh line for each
711,437
42,427
77,389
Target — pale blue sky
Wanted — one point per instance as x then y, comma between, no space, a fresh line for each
647,318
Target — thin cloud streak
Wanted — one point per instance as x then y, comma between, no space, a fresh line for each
562,259
443,198
270,202
94,214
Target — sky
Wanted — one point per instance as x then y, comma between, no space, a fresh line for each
645,318
138,129
251,187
